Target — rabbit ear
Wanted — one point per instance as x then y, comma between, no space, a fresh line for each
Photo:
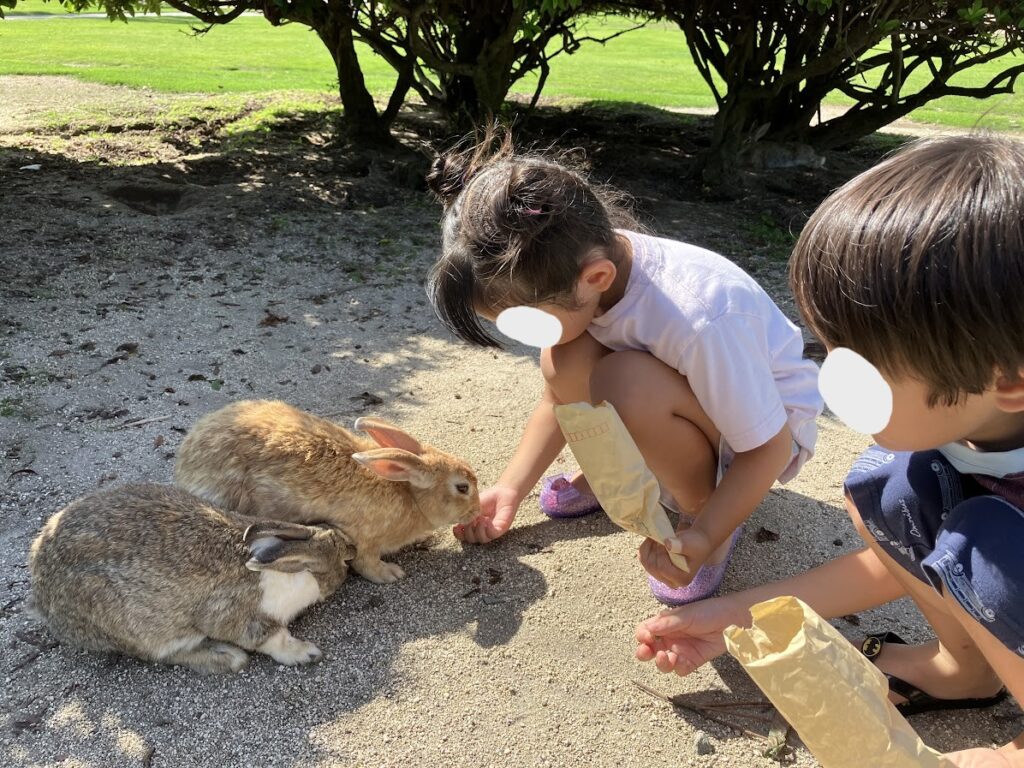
388,435
269,553
397,465
274,553
278,529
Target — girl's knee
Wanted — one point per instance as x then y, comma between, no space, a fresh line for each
622,378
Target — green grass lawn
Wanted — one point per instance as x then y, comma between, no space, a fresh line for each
649,66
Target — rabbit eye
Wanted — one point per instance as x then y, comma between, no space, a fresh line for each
462,488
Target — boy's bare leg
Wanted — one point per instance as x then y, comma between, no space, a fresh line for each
671,429
954,666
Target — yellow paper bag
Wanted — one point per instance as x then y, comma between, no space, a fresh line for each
614,467
826,689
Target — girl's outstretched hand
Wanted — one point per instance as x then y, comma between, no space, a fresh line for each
681,639
498,507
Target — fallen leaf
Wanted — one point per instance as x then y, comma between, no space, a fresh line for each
764,535
272,319
28,721
36,638
367,399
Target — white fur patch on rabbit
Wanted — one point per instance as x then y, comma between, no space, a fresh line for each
286,595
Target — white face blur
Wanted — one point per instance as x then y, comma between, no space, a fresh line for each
897,412
855,391
530,325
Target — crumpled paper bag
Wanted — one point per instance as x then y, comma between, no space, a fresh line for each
829,692
614,467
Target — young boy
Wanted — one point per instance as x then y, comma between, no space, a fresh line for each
917,266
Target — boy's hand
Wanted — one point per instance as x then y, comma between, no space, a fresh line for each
498,507
980,758
682,639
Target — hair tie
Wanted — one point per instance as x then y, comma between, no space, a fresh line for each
533,211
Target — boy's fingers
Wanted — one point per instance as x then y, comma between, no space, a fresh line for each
667,624
665,661
644,652
644,635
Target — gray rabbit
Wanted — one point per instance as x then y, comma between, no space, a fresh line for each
155,572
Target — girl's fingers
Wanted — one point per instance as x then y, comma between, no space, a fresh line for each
472,533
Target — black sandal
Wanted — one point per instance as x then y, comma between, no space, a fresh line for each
918,701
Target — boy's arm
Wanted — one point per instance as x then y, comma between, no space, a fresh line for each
683,639
744,485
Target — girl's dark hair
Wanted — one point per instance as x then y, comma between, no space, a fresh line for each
516,230
918,264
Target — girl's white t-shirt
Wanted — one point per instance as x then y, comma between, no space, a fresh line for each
701,314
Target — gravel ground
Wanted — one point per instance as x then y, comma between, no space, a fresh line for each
150,277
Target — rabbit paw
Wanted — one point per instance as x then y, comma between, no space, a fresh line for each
285,649
380,572
210,657
231,656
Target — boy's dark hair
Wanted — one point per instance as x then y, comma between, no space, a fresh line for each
918,265
515,231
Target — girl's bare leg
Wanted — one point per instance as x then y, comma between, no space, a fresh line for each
674,434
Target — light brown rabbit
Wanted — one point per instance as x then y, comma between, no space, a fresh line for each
258,456
155,572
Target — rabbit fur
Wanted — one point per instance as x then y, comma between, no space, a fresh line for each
155,572
264,457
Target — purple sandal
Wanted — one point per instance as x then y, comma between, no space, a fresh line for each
560,499
705,583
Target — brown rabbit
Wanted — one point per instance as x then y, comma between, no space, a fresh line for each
261,457
155,572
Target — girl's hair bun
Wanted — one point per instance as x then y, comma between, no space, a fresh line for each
448,175
452,170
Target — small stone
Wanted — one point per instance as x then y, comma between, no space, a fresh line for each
704,745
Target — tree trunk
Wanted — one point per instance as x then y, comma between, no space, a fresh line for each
484,44
718,166
363,121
